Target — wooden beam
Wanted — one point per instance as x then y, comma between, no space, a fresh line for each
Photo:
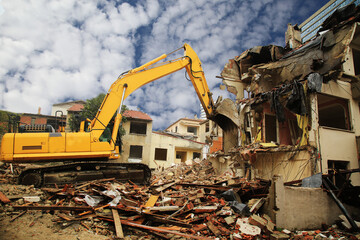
3,198
117,222
162,188
161,230
53,207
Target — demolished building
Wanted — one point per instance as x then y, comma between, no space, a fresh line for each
299,109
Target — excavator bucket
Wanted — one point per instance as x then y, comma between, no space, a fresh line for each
227,117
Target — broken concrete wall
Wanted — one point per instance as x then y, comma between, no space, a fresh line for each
227,117
292,165
220,163
335,144
293,36
297,208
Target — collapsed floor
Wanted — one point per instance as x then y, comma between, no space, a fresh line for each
184,201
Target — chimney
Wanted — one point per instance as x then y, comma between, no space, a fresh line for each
39,110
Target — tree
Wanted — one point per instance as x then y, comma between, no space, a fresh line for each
89,111
9,122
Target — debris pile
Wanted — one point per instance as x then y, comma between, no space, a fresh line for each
8,173
184,201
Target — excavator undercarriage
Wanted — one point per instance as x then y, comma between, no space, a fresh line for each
72,173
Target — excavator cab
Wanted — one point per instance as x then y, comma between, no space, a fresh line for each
106,136
85,125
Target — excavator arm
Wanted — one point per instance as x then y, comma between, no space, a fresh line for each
138,77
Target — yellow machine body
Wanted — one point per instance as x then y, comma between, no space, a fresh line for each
32,147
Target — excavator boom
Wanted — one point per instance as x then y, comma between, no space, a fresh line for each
138,77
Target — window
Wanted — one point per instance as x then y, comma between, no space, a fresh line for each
138,127
181,155
192,130
247,120
196,155
333,167
135,152
176,129
270,128
356,60
207,127
295,131
333,112
160,154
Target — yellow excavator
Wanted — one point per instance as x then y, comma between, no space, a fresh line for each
82,156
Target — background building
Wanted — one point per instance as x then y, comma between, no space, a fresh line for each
136,143
311,25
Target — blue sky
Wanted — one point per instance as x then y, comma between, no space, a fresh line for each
59,50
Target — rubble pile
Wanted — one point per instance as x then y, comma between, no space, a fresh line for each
184,201
8,173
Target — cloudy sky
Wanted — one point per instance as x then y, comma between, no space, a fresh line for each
54,51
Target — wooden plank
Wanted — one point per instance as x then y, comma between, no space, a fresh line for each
19,215
159,218
117,222
95,209
69,218
161,230
212,187
3,198
164,208
53,207
168,221
213,228
152,200
257,205
160,189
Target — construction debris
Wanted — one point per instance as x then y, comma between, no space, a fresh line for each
198,205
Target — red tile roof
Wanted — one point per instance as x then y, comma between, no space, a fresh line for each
76,107
136,115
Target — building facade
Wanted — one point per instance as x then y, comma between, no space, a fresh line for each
186,127
302,116
168,149
136,143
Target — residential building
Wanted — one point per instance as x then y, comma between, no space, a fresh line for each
210,133
74,110
168,149
56,122
64,110
136,143
186,127
201,130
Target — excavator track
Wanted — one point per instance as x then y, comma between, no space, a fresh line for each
84,171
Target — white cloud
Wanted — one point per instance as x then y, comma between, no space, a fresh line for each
56,50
